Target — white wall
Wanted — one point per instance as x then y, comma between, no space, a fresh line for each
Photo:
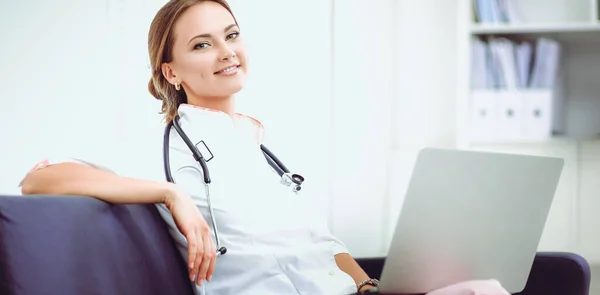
367,84
289,87
58,83
425,88
363,91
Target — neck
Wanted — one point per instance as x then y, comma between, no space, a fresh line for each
223,104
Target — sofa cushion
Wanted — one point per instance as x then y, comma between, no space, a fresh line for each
73,245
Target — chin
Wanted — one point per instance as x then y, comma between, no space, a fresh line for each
235,90
227,90
234,86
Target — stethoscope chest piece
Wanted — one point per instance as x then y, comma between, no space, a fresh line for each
293,180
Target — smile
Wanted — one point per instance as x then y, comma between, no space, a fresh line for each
232,70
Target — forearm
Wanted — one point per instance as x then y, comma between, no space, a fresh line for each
347,264
77,179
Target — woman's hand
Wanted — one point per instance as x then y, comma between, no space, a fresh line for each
366,288
189,221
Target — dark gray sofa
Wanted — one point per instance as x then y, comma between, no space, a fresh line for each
68,245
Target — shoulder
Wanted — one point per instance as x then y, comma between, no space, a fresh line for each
184,169
251,126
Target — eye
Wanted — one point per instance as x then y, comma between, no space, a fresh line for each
232,35
202,45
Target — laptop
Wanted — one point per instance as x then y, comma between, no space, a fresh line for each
470,215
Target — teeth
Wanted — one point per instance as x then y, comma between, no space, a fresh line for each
228,70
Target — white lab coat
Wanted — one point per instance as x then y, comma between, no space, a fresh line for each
276,244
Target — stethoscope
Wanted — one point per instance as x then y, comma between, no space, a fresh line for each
287,178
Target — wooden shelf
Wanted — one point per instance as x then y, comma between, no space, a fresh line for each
573,220
556,140
485,29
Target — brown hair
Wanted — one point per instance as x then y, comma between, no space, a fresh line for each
160,49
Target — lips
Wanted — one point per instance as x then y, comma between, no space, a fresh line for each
228,70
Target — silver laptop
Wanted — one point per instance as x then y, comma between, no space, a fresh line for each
470,215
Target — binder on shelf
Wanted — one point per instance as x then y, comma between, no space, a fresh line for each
483,115
524,53
497,11
515,115
515,95
539,106
510,114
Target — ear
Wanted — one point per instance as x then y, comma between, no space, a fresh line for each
169,73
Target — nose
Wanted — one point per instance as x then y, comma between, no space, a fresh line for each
228,54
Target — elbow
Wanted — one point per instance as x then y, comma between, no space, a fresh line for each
40,182
30,186
27,189
50,180
60,179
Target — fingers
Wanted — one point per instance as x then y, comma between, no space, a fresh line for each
192,249
208,257
213,262
199,257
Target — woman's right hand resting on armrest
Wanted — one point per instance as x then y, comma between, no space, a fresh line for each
79,179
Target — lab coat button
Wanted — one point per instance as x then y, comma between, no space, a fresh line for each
331,273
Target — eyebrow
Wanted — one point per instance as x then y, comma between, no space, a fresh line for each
208,35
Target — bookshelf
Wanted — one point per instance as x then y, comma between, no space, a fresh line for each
557,29
573,100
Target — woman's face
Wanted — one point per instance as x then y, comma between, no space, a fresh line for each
209,59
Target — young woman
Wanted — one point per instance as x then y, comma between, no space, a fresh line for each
274,243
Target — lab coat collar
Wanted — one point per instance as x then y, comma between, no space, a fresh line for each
213,122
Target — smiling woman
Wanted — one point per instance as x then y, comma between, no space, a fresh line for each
202,52
276,242
199,63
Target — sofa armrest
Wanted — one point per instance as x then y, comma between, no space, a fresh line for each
552,273
72,245
558,273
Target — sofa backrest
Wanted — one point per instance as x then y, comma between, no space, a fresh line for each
73,245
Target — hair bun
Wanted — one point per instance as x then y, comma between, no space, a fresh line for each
152,89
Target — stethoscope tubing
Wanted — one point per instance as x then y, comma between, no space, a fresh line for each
273,161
